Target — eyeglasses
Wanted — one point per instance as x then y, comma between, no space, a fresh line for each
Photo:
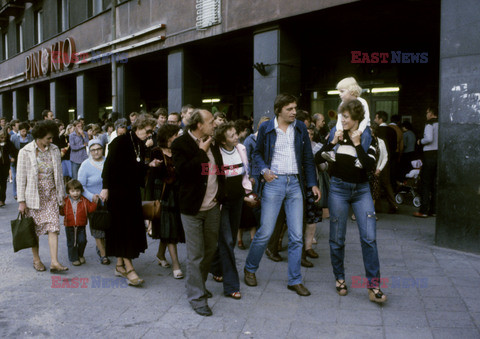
96,149
149,131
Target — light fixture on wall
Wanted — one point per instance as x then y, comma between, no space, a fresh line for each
210,101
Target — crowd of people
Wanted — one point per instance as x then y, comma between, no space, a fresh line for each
215,179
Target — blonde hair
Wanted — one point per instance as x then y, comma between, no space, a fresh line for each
262,120
351,85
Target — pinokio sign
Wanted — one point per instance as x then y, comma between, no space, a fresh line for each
59,57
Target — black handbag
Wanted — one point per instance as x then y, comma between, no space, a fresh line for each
23,233
100,219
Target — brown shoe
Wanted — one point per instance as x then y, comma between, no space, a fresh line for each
300,289
250,278
39,266
273,256
306,263
311,253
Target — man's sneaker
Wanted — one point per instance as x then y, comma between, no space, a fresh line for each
329,156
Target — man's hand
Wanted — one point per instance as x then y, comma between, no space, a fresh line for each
149,143
205,144
317,193
356,135
269,176
377,172
155,163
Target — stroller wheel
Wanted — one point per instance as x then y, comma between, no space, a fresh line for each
416,201
399,198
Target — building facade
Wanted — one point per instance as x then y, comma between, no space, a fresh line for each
84,58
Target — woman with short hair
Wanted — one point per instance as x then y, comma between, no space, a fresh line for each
349,187
40,189
123,175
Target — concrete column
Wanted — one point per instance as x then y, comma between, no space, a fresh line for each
59,100
184,82
458,195
275,48
128,90
37,101
20,104
6,105
87,97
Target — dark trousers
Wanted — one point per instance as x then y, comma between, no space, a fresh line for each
384,180
3,181
428,180
223,263
76,241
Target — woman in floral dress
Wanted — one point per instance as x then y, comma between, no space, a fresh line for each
40,189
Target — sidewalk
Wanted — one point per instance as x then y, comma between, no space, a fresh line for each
433,293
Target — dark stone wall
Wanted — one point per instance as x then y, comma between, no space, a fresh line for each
459,123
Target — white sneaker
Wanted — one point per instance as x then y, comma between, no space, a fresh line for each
329,156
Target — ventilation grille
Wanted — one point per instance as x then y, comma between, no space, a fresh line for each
208,13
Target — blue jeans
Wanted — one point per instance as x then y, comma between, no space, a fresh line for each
14,179
76,243
75,168
342,195
365,139
224,261
285,189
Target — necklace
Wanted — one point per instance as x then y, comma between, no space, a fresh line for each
137,151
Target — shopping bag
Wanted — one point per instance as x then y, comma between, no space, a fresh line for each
23,233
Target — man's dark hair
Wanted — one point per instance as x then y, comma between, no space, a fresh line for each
73,185
241,125
161,111
166,132
407,125
220,115
281,101
395,119
355,108
24,125
382,115
195,119
433,109
303,116
221,130
14,121
179,117
42,128
45,113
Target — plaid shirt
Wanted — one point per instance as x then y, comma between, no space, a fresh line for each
27,175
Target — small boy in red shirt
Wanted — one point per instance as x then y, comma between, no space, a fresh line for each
75,210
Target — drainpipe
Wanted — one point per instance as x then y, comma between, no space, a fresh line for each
114,59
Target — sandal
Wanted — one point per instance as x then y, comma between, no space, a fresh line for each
105,261
218,278
134,282
39,266
241,245
119,273
234,295
76,263
59,268
341,288
377,297
178,274
163,262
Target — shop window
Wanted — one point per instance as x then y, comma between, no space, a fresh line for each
209,13
38,26
19,36
94,7
62,15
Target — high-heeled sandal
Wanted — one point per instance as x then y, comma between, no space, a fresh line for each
241,245
234,295
163,262
178,274
134,282
341,288
119,273
376,297
58,268
218,278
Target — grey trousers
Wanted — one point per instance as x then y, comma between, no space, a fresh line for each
201,235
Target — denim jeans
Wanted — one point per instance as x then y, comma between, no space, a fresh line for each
75,168
223,263
285,189
14,180
342,195
76,248
365,139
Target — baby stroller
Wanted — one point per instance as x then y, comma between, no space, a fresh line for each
408,189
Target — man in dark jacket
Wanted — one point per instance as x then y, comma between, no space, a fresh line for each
201,190
283,156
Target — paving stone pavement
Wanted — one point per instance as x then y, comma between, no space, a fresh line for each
433,293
